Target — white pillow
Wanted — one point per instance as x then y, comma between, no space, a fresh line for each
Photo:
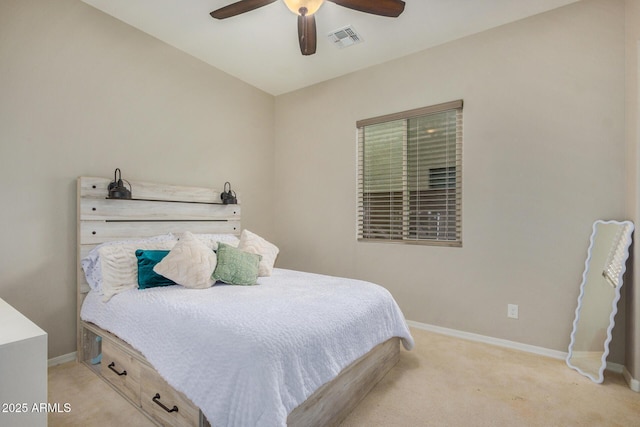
211,240
252,243
92,266
190,263
119,265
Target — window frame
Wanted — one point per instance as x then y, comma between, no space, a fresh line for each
363,232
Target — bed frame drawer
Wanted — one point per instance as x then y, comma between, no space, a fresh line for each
164,404
121,370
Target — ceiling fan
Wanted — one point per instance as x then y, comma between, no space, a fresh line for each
305,9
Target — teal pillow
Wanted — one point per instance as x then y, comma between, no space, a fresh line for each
147,278
235,266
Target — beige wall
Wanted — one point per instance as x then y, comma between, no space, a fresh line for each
544,156
632,137
82,94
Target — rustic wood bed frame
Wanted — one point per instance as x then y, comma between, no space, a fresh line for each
158,209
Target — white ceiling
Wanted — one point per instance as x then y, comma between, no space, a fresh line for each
261,47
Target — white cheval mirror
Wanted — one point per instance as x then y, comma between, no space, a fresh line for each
599,295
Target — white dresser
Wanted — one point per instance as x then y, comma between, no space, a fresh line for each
23,370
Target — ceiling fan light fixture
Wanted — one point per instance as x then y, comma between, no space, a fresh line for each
310,6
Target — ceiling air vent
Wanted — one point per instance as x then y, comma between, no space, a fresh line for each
344,37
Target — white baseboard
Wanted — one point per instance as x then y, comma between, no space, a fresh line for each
61,359
614,367
490,340
634,384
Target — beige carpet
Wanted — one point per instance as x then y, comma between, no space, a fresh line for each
93,402
444,381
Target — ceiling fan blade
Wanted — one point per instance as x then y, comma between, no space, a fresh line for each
307,34
390,8
239,7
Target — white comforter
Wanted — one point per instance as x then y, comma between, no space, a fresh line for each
247,356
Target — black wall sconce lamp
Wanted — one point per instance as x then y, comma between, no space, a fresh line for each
228,197
117,190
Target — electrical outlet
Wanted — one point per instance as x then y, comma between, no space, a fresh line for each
512,311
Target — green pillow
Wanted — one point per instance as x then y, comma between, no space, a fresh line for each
147,278
236,267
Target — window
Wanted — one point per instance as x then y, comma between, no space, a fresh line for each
410,176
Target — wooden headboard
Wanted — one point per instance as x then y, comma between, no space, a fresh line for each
154,209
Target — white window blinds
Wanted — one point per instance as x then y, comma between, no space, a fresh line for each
410,176
617,256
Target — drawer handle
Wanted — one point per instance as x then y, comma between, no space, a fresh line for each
156,399
111,366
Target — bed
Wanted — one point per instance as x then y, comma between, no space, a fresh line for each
297,349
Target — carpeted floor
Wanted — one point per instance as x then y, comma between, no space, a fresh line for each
444,381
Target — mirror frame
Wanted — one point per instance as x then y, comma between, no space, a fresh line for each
614,305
